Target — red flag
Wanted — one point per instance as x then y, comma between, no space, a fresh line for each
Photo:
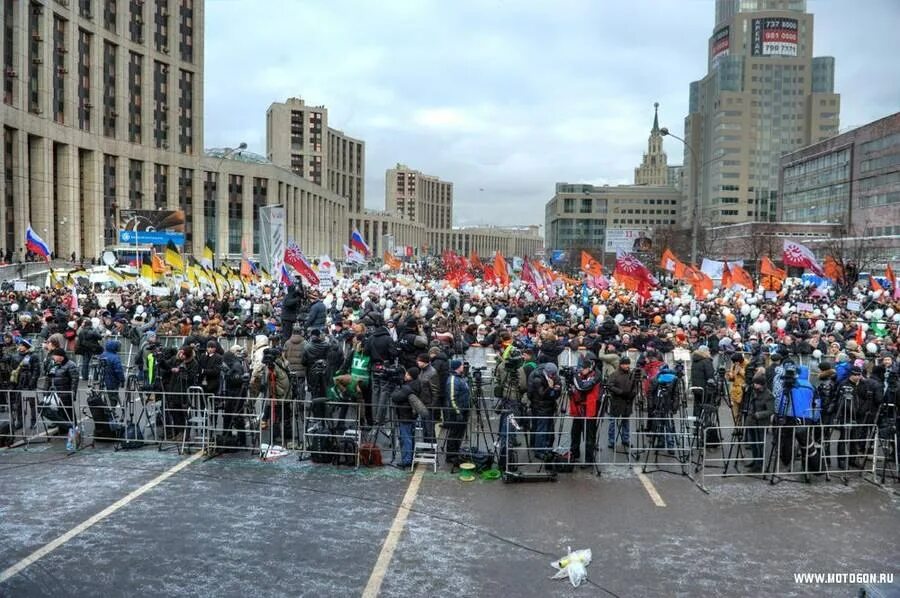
889,274
739,276
475,260
860,337
833,269
500,270
294,258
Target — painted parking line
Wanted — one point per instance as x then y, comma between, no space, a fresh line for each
390,542
651,490
81,527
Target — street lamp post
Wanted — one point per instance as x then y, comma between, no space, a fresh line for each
695,232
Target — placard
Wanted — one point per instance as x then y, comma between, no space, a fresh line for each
854,306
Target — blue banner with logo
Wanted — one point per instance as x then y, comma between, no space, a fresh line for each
149,237
557,256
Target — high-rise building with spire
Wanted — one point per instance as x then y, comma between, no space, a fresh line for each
653,170
764,95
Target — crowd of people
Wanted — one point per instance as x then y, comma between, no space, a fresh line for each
395,344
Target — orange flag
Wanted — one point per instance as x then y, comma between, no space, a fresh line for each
391,261
726,277
889,274
500,270
701,283
475,260
833,269
157,264
670,263
876,286
741,277
589,265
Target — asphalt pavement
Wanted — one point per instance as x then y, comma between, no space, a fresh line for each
234,526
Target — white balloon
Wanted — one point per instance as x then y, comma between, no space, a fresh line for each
541,318
745,310
423,310
702,317
501,314
478,320
872,348
868,314
390,303
782,324
678,313
572,309
579,312
387,313
382,302
445,305
878,313
896,317
514,322
139,309
817,312
754,313
14,307
838,326
766,326
339,304
786,308
685,320
668,318
695,321
817,354
726,311
820,325
488,311
889,312
179,304
618,319
465,307
473,310
327,301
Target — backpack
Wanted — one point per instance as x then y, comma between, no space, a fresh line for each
318,368
321,444
133,437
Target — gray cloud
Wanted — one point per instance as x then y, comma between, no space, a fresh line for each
503,98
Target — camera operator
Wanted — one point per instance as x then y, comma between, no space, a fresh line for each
701,371
456,414
662,404
112,375
440,361
293,355
584,406
235,380
402,399
410,342
24,378
757,408
430,380
544,389
290,308
382,353
858,403
795,406
210,364
273,382
621,388
64,380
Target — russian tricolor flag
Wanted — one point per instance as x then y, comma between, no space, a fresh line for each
35,244
285,277
358,243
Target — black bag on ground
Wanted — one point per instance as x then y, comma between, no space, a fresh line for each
6,436
106,425
482,460
321,444
133,437
557,462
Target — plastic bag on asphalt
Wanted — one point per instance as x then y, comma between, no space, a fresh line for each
573,565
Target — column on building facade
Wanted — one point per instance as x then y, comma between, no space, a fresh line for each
68,185
300,219
148,174
41,188
247,223
198,222
222,214
45,78
92,206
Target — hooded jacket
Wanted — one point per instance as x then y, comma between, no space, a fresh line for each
293,354
701,368
113,372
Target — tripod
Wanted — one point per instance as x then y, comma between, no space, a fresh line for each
738,434
483,428
886,428
662,408
711,397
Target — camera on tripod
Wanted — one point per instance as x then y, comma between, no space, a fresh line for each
390,373
270,356
789,377
567,373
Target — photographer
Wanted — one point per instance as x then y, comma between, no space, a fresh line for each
112,373
290,308
210,364
315,360
273,382
88,346
402,399
662,405
702,370
858,400
795,406
757,409
456,414
621,397
24,378
184,373
584,407
382,353
410,342
430,392
544,389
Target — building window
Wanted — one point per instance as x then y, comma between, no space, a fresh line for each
186,31
59,69
109,15
109,200
134,97
8,197
260,197
8,48
568,205
160,186
109,89
136,24
135,183
84,80
210,190
186,112
161,22
35,62
235,212
84,9
161,104
186,202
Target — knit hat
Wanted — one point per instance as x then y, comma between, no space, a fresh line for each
58,352
759,379
455,364
856,371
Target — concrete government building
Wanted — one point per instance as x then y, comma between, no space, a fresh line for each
103,111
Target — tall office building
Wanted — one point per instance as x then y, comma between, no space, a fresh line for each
298,138
764,95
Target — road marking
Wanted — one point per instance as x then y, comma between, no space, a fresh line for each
651,490
393,537
81,527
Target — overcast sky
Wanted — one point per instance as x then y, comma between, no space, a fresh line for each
503,97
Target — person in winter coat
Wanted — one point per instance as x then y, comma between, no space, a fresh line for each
184,373
584,407
315,319
621,397
25,378
64,380
456,414
210,364
441,363
544,388
701,371
113,372
293,352
758,408
403,398
236,376
736,377
430,380
88,346
315,360
290,310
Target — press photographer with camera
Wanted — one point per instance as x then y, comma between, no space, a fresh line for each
757,408
544,390
858,399
210,364
272,381
456,414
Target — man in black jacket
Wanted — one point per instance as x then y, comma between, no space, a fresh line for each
410,343
382,353
402,398
702,371
26,375
316,316
64,380
757,409
210,368
620,386
290,309
88,346
544,388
